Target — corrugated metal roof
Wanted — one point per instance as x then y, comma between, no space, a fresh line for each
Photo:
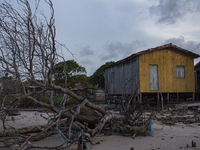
170,45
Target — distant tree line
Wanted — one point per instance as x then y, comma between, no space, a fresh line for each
76,73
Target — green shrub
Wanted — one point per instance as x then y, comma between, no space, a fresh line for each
42,97
92,100
72,101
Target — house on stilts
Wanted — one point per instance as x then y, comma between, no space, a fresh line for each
164,72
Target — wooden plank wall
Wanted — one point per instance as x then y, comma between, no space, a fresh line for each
167,60
122,78
197,79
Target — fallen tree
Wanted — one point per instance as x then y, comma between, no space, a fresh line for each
28,55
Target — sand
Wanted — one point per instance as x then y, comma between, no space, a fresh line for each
163,137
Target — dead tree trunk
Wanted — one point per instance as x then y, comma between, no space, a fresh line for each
28,54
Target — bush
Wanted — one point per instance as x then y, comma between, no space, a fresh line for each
43,98
72,101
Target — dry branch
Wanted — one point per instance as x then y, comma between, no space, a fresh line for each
14,132
28,54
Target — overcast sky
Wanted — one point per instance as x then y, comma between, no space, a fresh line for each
98,31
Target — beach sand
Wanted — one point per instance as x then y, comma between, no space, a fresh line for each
163,137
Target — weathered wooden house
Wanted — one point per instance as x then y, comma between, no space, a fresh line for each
166,71
197,79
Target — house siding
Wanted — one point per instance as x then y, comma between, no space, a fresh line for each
167,60
122,78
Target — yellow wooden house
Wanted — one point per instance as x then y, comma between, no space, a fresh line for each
164,71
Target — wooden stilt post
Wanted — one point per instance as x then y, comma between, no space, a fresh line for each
168,98
162,102
140,97
193,97
158,101
178,97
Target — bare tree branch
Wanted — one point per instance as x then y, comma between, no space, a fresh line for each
28,54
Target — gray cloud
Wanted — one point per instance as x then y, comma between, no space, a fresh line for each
86,62
170,11
189,45
115,49
86,51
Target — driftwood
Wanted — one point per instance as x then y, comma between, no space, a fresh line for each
173,120
139,131
14,132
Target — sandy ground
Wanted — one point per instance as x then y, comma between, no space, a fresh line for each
26,118
163,137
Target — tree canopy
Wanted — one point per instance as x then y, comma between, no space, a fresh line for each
82,78
98,77
69,71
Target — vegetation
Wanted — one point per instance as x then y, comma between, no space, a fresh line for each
83,79
98,77
77,74
66,72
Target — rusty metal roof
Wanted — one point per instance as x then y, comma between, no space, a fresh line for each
170,45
